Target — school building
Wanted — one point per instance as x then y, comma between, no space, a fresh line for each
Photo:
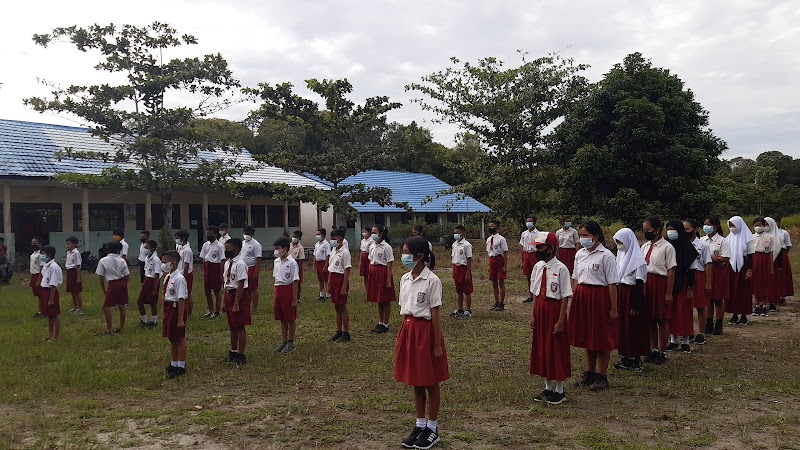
34,204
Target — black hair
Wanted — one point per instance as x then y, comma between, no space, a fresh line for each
714,221
655,222
694,225
297,233
119,232
145,232
173,256
153,244
249,230
341,227
419,228
73,240
383,231
236,243
594,229
182,234
495,221
776,217
322,231
223,225
38,239
760,219
114,247
337,232
460,227
565,218
213,228
417,245
280,242
49,250
531,216
369,229
2,239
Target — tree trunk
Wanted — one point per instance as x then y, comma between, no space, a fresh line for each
165,239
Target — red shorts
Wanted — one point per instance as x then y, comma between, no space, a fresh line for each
496,271
588,325
363,264
252,278
212,276
463,286
377,292
34,284
335,289
550,356
321,268
170,328
414,363
528,261
241,318
117,293
148,295
73,285
44,298
282,305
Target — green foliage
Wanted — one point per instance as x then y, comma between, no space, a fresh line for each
438,234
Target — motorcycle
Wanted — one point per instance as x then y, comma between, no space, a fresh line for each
5,270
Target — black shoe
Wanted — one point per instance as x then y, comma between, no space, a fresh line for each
623,364
542,396
231,356
336,336
177,372
700,339
637,365
377,329
757,311
586,379
660,359
500,307
685,348
743,320
345,337
427,439
241,359
773,308
672,347
528,300
382,329
170,368
321,299
38,315
652,357
556,398
490,309
764,312
718,327
412,438
734,320
709,326
143,324
600,384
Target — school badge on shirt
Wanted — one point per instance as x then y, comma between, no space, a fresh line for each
214,255
421,297
595,267
172,291
554,287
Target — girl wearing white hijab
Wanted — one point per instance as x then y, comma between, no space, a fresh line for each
634,312
740,243
774,293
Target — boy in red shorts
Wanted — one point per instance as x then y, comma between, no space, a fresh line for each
497,248
462,272
112,269
48,293
74,280
152,281
176,291
237,300
212,253
285,297
339,265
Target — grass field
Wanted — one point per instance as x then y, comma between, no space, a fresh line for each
740,391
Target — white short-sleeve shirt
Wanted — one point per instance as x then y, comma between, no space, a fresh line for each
112,267
598,267
787,238
36,266
74,259
297,252
558,281
322,250
496,245
176,287
528,240
187,257
418,296
339,260
461,252
703,256
662,259
365,243
152,266
251,251
141,257
235,271
639,274
718,245
223,238
51,275
213,252
763,243
285,271
567,238
380,254
125,249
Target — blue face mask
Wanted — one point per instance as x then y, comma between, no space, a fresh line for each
177,242
457,237
408,261
530,225
42,259
672,235
318,238
587,242
708,229
145,253
567,224
376,237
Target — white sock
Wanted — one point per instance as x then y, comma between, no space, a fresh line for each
182,364
548,385
673,339
173,363
234,351
421,422
321,293
327,295
432,424
144,318
154,319
560,387
685,340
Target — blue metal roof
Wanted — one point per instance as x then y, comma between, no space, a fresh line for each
28,149
421,191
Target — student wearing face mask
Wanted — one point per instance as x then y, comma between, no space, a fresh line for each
186,265
212,253
118,235
74,279
237,300
380,287
497,249
339,265
114,275
51,278
252,254
785,273
462,272
765,253
176,312
144,236
720,271
634,313
660,258
363,262
322,249
298,253
149,292
740,242
703,278
420,355
224,234
527,241
593,311
285,294
567,243
419,230
681,324
775,287
36,264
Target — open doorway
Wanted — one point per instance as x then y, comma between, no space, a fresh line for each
30,220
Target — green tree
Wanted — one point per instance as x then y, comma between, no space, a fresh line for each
509,110
158,148
641,137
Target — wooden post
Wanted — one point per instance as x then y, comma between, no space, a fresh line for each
148,211
7,217
249,212
483,228
286,218
85,218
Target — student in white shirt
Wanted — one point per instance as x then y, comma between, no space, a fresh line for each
721,281
176,314
114,270
497,249
152,282
144,236
461,254
766,250
74,280
339,265
785,268
322,249
37,260
118,235
237,300
419,230
298,253
363,262
212,253
186,265
224,234
703,278
660,258
380,286
252,254
48,294
285,294
740,243
634,312
567,243
527,241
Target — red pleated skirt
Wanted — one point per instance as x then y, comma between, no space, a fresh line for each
44,298
654,291
170,328
567,257
335,283
634,331
680,324
701,299
588,325
787,281
363,264
377,292
762,274
414,363
741,294
721,283
550,357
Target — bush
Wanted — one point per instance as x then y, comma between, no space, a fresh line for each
437,234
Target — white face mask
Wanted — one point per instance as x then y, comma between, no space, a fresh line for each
222,232
295,240
365,235
247,237
145,253
277,253
166,267
759,230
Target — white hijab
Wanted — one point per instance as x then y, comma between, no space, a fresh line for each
629,259
777,237
738,241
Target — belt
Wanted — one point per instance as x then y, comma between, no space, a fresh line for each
498,256
230,290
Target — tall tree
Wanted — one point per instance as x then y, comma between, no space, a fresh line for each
332,143
159,148
639,142
509,110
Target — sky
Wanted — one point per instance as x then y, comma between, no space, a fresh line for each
741,58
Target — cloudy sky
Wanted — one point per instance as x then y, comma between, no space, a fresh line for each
741,58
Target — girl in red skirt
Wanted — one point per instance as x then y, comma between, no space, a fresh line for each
552,289
763,269
592,321
48,293
680,324
774,293
339,265
703,278
786,279
740,242
720,274
421,358
380,284
660,259
363,262
634,324
567,243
